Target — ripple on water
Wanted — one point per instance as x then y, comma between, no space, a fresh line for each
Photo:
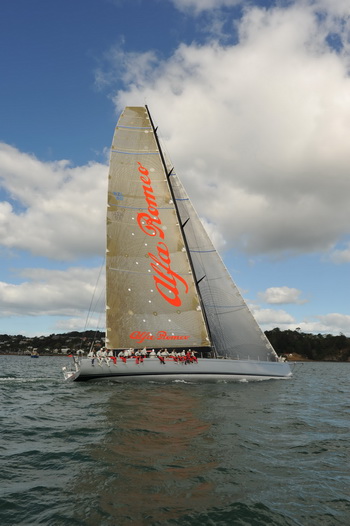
261,453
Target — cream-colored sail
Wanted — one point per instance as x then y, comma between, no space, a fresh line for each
151,297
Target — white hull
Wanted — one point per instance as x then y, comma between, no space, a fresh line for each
206,369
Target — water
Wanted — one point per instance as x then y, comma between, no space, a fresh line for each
101,453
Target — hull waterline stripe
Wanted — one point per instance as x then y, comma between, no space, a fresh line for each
121,375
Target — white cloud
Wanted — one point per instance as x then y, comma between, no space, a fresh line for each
341,255
52,293
333,323
281,295
258,130
271,317
78,324
336,322
339,8
198,6
51,209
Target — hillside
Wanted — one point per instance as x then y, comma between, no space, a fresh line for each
294,345
54,344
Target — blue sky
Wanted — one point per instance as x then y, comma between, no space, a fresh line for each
252,100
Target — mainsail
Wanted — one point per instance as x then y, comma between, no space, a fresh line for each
151,296
166,284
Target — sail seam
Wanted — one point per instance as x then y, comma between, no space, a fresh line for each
130,152
139,207
135,127
140,272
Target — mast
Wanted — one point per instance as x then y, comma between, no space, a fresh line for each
169,174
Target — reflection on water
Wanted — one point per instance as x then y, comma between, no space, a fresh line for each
152,466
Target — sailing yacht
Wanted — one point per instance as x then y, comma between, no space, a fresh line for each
167,289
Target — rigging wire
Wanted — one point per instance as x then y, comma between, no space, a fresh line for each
93,295
94,305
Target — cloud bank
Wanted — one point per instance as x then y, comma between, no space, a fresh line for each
281,295
257,129
51,209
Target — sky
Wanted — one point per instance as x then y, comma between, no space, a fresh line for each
252,104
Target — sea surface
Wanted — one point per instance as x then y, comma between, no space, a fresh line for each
100,453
